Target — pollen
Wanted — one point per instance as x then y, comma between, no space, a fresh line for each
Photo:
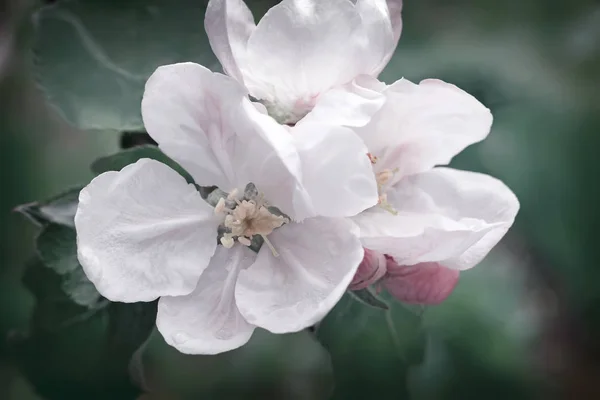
383,177
372,158
246,219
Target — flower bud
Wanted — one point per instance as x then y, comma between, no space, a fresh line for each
371,269
424,283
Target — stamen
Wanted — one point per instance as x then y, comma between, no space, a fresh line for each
244,240
220,207
372,158
227,242
388,207
233,194
268,242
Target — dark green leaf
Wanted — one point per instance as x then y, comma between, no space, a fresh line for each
93,57
118,161
130,324
366,296
65,352
57,249
133,139
371,349
59,209
56,310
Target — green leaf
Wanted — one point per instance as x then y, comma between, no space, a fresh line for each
93,57
371,349
130,324
368,297
57,249
55,310
59,209
133,139
66,353
118,161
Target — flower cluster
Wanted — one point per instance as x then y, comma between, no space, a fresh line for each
326,180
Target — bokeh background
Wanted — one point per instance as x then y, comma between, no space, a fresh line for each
525,324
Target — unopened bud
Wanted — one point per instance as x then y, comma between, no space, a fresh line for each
371,269
424,283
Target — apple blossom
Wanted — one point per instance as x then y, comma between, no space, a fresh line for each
145,233
302,48
431,222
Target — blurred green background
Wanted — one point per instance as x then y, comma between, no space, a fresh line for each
523,325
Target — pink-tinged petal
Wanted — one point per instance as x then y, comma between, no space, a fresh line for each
421,126
317,261
444,215
207,321
185,108
425,283
229,24
143,233
371,269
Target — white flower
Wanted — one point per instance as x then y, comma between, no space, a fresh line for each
302,48
145,233
430,218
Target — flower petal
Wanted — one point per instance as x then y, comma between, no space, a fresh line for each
316,263
336,171
382,36
444,215
184,110
353,104
207,321
424,125
229,24
144,232
301,48
208,125
395,10
424,283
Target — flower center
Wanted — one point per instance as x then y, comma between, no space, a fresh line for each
383,177
246,219
291,113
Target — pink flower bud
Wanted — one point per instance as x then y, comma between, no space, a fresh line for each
424,283
371,269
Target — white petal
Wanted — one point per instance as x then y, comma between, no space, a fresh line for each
447,216
185,108
424,125
207,321
377,24
336,171
353,104
317,261
395,10
229,24
144,232
208,125
301,48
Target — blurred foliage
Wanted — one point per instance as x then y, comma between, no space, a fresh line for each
522,325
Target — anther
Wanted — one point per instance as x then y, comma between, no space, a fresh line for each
227,242
372,158
244,240
220,207
233,194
